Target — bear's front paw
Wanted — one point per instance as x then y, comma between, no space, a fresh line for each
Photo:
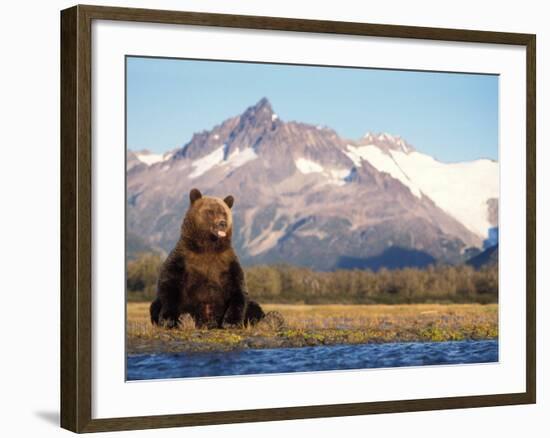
169,322
229,325
233,321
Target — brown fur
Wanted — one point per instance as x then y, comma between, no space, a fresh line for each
202,275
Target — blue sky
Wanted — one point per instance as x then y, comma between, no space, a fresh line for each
453,117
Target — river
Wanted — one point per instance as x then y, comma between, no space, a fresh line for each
319,358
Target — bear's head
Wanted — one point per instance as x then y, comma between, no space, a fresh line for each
208,222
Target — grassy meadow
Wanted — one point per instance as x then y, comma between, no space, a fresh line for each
439,303
321,324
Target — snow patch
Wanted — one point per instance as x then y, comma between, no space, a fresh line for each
266,240
274,117
313,233
337,177
216,158
339,173
354,154
383,163
307,166
248,220
238,158
149,158
204,164
385,136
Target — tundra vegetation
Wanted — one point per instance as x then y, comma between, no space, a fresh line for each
320,324
441,303
285,284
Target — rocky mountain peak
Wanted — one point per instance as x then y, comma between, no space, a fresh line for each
387,142
235,134
261,113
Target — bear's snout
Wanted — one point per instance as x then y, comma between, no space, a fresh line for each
221,227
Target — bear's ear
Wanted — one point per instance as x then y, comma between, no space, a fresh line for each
194,195
229,201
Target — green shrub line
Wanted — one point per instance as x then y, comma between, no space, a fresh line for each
293,284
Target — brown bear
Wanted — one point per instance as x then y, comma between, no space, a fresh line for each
202,275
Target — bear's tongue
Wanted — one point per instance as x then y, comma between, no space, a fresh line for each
221,233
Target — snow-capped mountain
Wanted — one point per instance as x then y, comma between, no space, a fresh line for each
305,195
463,190
148,158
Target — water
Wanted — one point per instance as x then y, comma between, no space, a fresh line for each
322,358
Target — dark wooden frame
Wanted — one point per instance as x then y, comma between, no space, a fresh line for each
76,188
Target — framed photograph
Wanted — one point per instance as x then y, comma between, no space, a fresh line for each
270,218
